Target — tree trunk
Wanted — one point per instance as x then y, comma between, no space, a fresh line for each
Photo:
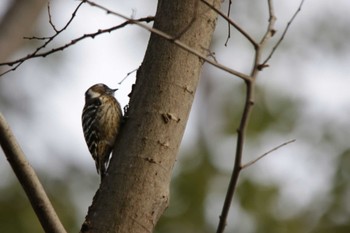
135,192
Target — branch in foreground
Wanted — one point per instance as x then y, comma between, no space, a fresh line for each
266,153
29,181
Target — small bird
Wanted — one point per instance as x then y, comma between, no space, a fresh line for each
101,120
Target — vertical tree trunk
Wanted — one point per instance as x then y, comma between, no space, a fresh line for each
135,192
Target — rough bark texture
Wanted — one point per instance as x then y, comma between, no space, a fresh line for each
135,192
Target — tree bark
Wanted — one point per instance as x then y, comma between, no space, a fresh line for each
135,192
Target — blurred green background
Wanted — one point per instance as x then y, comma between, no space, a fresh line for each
301,188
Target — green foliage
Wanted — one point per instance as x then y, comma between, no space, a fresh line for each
188,194
17,215
277,112
336,217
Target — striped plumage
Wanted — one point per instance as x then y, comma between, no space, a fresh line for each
101,121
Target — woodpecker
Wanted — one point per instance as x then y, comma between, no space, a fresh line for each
101,120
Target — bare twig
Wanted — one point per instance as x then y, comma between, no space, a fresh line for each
127,75
19,62
230,21
211,54
50,18
266,153
29,180
270,31
35,38
283,34
63,47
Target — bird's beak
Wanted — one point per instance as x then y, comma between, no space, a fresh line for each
111,91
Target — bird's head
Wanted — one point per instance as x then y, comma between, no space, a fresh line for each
98,90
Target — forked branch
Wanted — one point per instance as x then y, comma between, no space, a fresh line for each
283,34
248,106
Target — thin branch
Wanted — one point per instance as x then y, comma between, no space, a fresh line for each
50,18
266,153
248,106
271,25
36,38
63,47
283,34
19,62
211,54
29,180
127,75
230,21
175,41
270,32
238,156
